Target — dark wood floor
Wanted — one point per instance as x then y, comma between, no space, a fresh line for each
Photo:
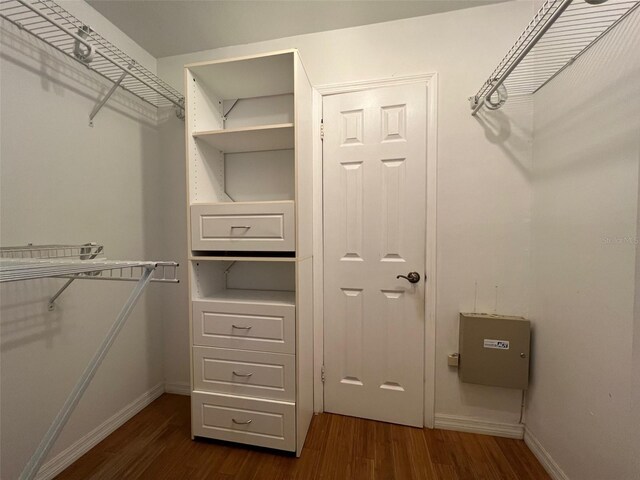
156,444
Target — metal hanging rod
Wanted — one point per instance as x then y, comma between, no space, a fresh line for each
78,262
560,32
51,23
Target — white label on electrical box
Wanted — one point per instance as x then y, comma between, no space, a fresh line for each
497,344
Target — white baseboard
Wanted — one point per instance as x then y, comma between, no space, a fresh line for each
475,425
178,388
65,458
552,468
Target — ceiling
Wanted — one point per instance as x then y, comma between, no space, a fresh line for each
172,27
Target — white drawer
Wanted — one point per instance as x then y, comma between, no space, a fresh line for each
246,226
265,423
245,326
240,372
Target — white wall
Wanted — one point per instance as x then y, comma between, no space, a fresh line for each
483,174
635,361
585,255
62,181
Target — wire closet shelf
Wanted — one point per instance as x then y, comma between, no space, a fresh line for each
51,23
73,262
559,33
76,262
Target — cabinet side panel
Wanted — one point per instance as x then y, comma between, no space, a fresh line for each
304,160
205,164
304,349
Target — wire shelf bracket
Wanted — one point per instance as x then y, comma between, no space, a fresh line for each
559,33
52,24
75,262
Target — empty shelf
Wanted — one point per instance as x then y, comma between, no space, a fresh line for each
15,269
250,139
239,258
560,32
274,297
237,78
51,23
85,251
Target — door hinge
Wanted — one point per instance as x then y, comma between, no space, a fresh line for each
322,373
322,129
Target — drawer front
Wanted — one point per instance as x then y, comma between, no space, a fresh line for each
243,227
259,327
241,372
264,423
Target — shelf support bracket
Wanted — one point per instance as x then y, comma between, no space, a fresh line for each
88,252
51,306
104,100
225,114
32,467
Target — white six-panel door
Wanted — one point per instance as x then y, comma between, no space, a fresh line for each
374,157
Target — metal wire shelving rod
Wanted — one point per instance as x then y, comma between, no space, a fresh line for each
74,262
560,32
52,24
523,53
32,467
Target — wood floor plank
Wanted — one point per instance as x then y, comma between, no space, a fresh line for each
156,445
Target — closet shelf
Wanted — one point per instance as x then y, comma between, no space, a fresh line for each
74,262
83,252
275,297
237,258
560,32
31,262
246,202
250,139
52,24
14,269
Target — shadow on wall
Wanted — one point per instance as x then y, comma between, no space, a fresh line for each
25,318
584,119
500,129
59,74
578,114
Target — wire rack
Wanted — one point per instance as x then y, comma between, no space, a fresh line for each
76,262
83,252
560,32
17,269
73,262
52,24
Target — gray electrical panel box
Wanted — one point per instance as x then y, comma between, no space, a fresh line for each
494,350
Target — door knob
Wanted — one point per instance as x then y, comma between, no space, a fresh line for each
412,277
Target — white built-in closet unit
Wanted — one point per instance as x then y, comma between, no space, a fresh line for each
248,128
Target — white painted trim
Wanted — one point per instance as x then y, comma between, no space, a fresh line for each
476,425
179,388
237,59
431,82
65,458
318,258
549,464
335,88
430,293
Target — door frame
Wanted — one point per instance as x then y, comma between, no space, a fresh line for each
430,82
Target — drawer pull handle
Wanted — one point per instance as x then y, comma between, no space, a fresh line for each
241,327
246,227
242,374
247,422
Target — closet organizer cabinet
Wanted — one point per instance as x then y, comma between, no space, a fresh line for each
248,128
